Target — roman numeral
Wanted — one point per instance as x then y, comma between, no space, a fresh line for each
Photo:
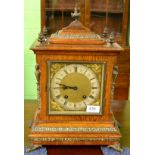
65,102
94,87
56,87
74,105
75,68
85,71
58,78
84,103
92,79
91,96
66,71
58,96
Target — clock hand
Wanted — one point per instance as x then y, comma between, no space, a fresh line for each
67,87
74,88
63,86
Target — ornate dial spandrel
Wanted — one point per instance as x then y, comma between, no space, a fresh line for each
74,86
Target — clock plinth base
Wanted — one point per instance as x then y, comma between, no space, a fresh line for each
75,133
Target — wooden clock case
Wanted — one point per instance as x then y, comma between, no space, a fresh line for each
75,129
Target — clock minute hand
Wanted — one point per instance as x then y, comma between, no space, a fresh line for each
74,88
67,87
63,86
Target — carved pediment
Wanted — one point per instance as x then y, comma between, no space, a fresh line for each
76,33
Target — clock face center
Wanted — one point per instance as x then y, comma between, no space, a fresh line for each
78,86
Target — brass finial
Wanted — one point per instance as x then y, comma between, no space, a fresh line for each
111,38
42,38
76,13
45,31
105,32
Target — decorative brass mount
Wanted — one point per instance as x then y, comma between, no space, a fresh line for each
115,74
37,74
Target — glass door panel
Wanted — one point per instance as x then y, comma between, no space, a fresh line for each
106,13
58,14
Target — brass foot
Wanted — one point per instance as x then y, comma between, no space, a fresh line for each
116,147
32,148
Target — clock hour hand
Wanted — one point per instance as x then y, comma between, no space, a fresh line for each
64,87
74,88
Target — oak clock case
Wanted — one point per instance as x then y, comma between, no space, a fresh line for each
75,78
75,88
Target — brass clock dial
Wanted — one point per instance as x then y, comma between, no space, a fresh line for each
73,87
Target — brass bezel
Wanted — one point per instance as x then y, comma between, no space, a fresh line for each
102,87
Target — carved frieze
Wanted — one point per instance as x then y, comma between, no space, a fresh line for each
79,129
44,139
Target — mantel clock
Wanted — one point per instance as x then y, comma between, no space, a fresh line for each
74,74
